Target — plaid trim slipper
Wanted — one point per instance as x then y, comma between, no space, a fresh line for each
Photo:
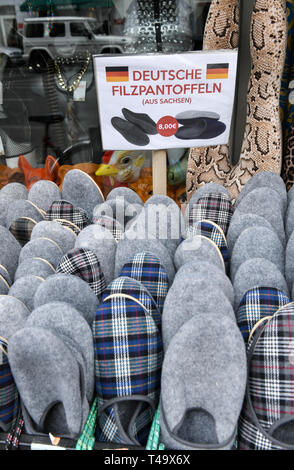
212,231
67,211
110,224
147,269
9,400
22,228
256,304
266,422
214,207
68,224
128,358
84,264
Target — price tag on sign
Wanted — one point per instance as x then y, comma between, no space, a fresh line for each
162,101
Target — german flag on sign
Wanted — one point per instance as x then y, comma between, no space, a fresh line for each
215,71
117,74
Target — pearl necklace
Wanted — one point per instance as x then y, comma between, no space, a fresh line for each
75,84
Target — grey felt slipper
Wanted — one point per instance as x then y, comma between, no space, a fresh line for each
81,190
9,253
257,242
14,192
268,204
68,224
4,273
3,211
208,188
204,269
111,224
268,180
22,208
36,267
42,248
128,194
49,380
24,290
13,315
159,222
63,236
70,289
126,249
289,267
203,384
290,195
4,286
101,241
240,222
198,248
70,326
43,193
257,272
65,211
119,209
187,298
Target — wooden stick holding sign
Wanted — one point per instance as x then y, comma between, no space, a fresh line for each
159,172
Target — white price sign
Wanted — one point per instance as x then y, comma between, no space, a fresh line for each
162,101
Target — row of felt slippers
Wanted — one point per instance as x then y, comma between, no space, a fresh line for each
130,308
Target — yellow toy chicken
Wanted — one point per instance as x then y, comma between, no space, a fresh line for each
124,166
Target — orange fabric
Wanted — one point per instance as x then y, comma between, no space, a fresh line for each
144,187
32,175
8,175
89,168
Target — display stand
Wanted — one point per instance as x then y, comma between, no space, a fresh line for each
159,172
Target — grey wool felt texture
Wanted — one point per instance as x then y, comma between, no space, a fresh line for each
17,209
3,211
48,378
10,251
64,237
266,203
126,249
128,194
203,384
69,289
187,298
4,286
257,242
13,316
119,209
198,248
70,326
42,248
290,195
242,221
4,273
101,241
160,199
289,267
24,290
35,267
268,180
43,193
290,219
208,188
14,192
81,190
205,270
159,222
257,272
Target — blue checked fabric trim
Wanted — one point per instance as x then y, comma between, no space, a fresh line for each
128,358
270,382
214,233
9,401
84,264
214,207
65,210
146,268
256,304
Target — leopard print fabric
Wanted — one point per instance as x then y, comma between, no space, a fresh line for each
262,144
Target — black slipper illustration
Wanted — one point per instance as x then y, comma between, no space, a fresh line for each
192,132
189,118
142,120
130,132
214,129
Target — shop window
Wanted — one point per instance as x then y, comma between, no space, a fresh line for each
56,30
